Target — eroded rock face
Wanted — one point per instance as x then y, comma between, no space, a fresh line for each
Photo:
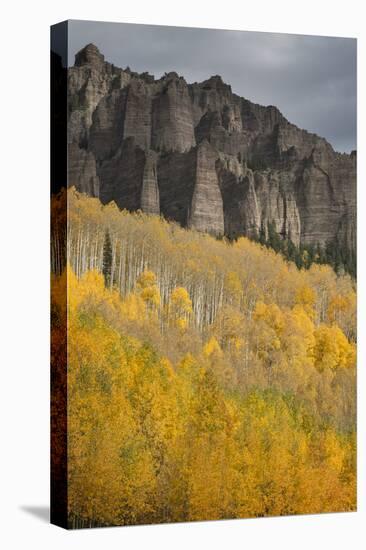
82,170
206,212
203,156
172,128
150,201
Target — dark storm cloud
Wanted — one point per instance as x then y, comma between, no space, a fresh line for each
312,80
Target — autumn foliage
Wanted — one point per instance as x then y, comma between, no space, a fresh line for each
206,379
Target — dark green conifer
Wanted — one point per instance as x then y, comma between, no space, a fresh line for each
107,259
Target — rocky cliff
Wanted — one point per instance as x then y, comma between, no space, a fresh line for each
203,156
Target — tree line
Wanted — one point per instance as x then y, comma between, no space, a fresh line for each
335,252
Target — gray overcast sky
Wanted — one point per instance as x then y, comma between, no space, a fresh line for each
312,80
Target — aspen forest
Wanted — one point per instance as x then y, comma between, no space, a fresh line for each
207,379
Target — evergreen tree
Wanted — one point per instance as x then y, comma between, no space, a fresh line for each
291,250
262,234
274,239
107,259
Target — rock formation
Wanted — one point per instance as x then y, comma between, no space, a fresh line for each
203,156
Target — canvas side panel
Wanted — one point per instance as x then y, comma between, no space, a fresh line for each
59,34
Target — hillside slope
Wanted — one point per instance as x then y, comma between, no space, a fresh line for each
206,379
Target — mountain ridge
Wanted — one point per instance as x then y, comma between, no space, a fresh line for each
204,156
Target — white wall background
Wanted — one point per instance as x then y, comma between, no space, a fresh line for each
24,234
